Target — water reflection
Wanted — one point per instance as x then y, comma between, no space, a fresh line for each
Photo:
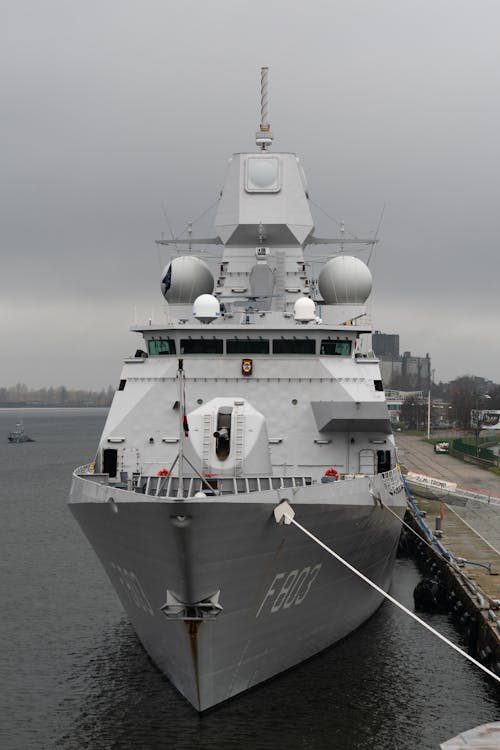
389,685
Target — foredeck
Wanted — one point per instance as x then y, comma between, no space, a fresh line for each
168,486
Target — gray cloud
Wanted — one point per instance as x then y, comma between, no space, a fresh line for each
114,111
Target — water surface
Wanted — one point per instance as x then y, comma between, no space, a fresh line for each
75,676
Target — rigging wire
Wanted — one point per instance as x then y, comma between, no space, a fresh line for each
192,223
376,234
284,510
170,256
339,224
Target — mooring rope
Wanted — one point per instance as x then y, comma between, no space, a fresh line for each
283,510
430,536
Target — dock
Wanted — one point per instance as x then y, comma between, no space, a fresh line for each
466,525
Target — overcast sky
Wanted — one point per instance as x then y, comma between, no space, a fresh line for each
117,113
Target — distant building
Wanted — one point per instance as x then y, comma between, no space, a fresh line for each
416,371
440,410
406,371
395,400
391,370
385,344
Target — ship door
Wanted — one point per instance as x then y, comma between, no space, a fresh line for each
109,461
383,461
367,461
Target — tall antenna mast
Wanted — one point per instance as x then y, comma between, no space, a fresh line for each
264,137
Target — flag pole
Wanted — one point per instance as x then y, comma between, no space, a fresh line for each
182,413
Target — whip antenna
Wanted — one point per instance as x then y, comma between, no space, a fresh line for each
264,137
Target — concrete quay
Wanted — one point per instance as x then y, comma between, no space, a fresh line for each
417,455
470,532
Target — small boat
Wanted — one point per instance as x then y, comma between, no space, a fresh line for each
483,737
18,435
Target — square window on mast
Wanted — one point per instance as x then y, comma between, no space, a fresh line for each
262,174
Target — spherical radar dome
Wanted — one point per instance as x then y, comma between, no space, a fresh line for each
345,280
185,278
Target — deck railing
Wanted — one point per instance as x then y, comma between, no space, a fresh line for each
169,486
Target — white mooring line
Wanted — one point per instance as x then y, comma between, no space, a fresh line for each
284,513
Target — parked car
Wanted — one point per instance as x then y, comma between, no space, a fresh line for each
441,447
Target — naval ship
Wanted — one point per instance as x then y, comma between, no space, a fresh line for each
259,387
18,435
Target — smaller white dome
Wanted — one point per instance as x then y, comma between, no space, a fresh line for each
345,280
304,310
206,308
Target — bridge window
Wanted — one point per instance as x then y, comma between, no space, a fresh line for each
201,346
340,348
247,346
161,346
294,346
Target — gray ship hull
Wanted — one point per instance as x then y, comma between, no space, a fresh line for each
273,597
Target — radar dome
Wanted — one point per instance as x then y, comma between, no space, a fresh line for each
206,308
304,310
185,278
345,280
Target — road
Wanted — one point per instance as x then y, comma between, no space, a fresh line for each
419,456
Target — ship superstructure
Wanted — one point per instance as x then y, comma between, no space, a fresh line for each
260,386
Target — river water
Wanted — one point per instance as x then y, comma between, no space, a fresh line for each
74,675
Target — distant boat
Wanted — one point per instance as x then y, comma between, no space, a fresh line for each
18,435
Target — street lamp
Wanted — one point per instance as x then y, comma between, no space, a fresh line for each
479,421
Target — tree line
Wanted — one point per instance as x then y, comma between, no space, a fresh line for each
459,397
20,395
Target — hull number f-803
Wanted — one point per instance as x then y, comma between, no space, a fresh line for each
289,589
131,584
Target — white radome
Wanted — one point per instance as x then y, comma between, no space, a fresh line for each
304,310
206,308
185,278
345,280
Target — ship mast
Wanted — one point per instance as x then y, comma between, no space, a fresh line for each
264,137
